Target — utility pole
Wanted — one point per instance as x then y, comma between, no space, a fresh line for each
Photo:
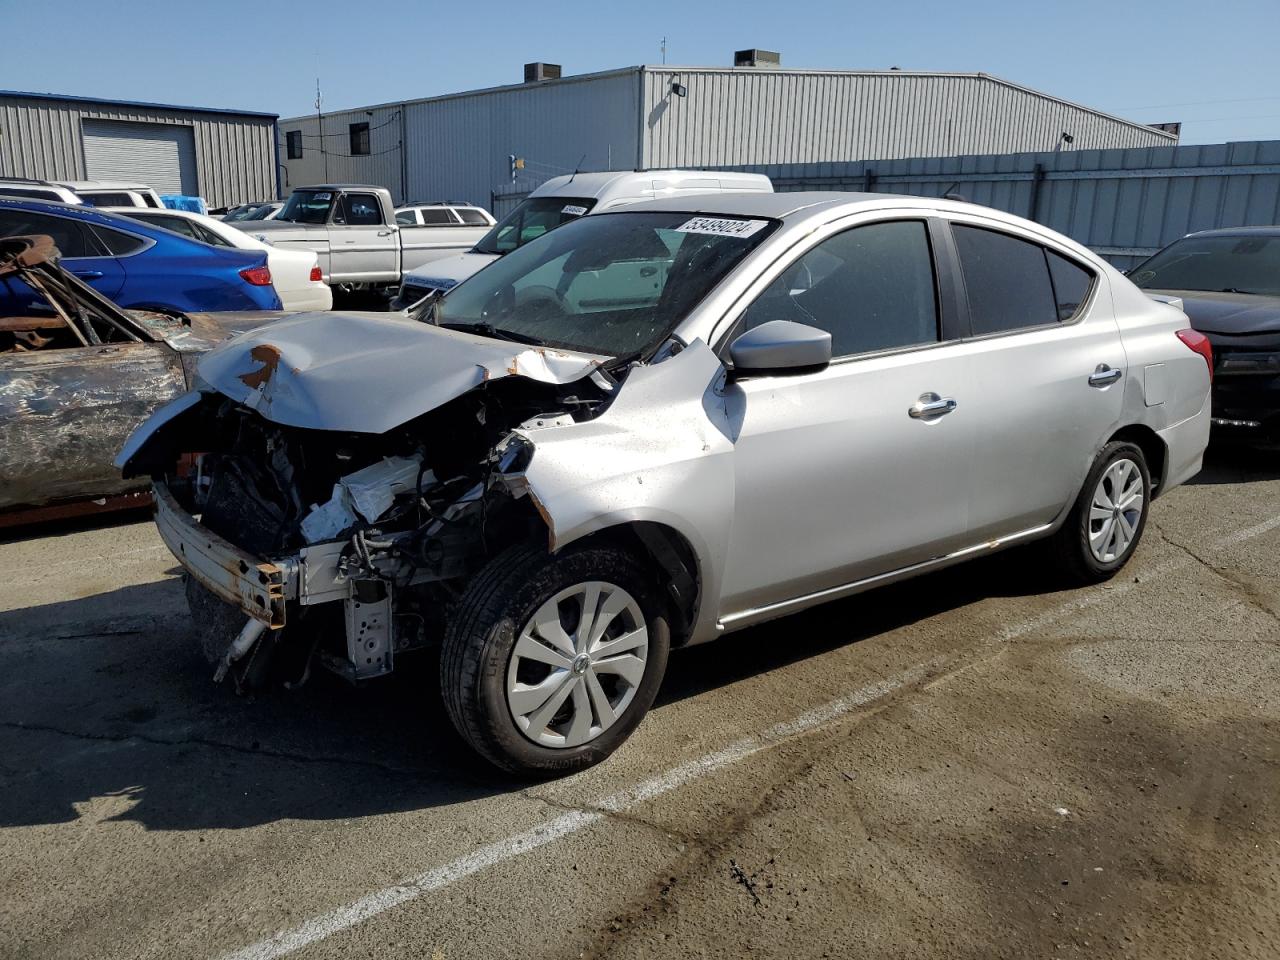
664,50
320,120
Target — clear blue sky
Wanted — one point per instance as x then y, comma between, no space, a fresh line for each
1213,65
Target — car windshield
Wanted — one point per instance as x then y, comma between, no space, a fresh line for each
614,284
307,206
1239,264
247,212
530,220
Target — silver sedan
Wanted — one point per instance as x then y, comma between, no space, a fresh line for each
654,427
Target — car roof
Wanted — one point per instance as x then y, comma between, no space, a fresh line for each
1258,231
792,204
339,186
630,183
92,185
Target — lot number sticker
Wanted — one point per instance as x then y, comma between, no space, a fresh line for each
720,227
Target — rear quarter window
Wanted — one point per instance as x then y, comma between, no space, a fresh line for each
117,243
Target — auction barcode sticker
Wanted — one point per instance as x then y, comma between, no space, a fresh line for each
722,227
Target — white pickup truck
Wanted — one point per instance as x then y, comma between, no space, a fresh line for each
354,232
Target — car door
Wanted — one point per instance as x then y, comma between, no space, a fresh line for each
361,247
82,253
1047,374
859,469
76,408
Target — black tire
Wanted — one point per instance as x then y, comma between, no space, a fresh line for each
482,633
1069,547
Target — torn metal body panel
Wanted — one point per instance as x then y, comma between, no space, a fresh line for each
368,373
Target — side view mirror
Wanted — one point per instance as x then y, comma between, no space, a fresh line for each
781,347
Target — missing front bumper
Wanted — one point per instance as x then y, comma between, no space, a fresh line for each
258,588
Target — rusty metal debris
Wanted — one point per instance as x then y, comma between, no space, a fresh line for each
89,316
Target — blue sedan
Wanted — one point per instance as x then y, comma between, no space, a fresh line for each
138,266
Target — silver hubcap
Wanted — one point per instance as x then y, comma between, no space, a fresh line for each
577,664
1117,506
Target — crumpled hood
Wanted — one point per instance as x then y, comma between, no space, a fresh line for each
1230,313
456,268
370,372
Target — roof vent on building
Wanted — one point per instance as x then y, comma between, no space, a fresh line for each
757,58
537,72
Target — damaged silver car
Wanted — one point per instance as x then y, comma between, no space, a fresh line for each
652,427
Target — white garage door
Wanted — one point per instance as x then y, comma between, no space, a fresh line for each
157,154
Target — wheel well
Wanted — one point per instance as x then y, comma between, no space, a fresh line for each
672,556
1152,447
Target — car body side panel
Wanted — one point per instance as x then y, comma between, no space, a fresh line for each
1180,413
65,413
661,453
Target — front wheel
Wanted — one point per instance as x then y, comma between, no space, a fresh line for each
1107,520
550,662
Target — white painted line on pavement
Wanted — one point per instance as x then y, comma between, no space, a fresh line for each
327,924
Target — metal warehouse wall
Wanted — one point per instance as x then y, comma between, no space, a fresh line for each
753,116
456,146
334,164
1123,204
235,155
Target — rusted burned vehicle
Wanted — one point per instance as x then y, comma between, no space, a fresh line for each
652,426
76,378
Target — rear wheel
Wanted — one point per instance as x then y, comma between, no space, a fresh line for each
550,662
1109,515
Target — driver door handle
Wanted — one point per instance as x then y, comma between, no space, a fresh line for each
930,406
88,274
1104,376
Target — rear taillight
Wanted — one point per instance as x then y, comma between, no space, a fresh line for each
316,275
258,276
1199,343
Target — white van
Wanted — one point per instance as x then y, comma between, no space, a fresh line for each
560,200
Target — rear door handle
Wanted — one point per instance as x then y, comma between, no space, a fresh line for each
930,406
89,274
1104,376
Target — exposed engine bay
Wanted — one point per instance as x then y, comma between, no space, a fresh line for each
383,530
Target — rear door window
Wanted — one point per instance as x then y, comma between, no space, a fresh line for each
437,217
71,237
1006,280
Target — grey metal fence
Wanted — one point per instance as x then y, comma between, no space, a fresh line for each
1124,204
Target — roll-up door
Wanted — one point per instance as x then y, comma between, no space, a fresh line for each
163,156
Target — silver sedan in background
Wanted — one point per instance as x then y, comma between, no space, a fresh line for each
653,427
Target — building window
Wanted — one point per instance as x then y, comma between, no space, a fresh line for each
359,139
293,144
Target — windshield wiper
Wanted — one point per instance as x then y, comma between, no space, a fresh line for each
1237,290
489,330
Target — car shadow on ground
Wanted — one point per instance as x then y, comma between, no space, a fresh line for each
107,710
1234,461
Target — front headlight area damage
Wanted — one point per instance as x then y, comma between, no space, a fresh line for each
306,546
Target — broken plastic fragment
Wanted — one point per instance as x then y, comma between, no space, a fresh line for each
368,493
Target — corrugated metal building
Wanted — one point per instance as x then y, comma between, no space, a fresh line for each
225,156
457,146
